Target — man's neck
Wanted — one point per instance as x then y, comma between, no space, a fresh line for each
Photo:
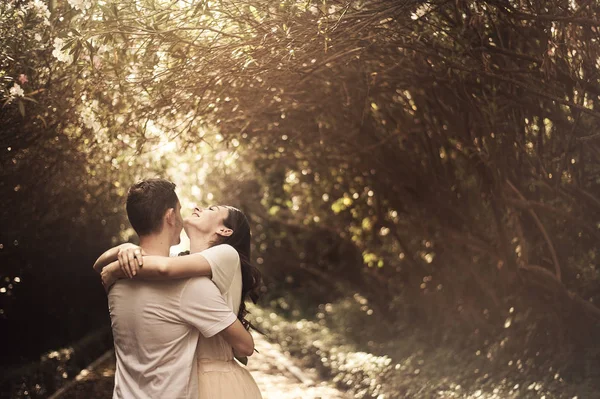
155,244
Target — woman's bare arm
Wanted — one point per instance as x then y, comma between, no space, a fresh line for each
239,338
159,267
162,267
111,255
110,274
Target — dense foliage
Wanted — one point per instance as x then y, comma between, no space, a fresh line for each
60,201
451,142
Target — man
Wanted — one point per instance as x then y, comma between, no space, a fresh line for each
156,323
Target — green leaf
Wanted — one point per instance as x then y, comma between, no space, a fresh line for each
76,53
30,99
75,48
68,45
42,119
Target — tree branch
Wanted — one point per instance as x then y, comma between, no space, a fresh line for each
538,222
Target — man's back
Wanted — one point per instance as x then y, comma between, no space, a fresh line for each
155,327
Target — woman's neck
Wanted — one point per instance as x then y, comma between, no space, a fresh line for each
199,243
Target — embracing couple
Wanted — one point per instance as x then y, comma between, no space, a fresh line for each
178,322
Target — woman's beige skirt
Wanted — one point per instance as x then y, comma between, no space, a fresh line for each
225,380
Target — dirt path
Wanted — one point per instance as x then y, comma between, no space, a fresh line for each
274,372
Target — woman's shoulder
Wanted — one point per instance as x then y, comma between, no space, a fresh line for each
229,247
225,252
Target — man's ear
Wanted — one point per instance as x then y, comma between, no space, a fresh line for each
224,231
170,216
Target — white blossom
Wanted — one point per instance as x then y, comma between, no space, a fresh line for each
87,114
80,5
16,91
40,8
60,55
38,37
103,49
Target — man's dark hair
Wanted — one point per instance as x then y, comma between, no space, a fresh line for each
147,202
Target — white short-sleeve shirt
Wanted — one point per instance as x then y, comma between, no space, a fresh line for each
225,265
156,325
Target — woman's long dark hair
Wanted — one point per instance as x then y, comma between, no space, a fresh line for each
240,240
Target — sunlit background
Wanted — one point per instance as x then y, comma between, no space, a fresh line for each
421,177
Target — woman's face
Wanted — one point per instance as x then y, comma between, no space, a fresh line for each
207,221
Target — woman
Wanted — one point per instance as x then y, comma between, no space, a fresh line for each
219,249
